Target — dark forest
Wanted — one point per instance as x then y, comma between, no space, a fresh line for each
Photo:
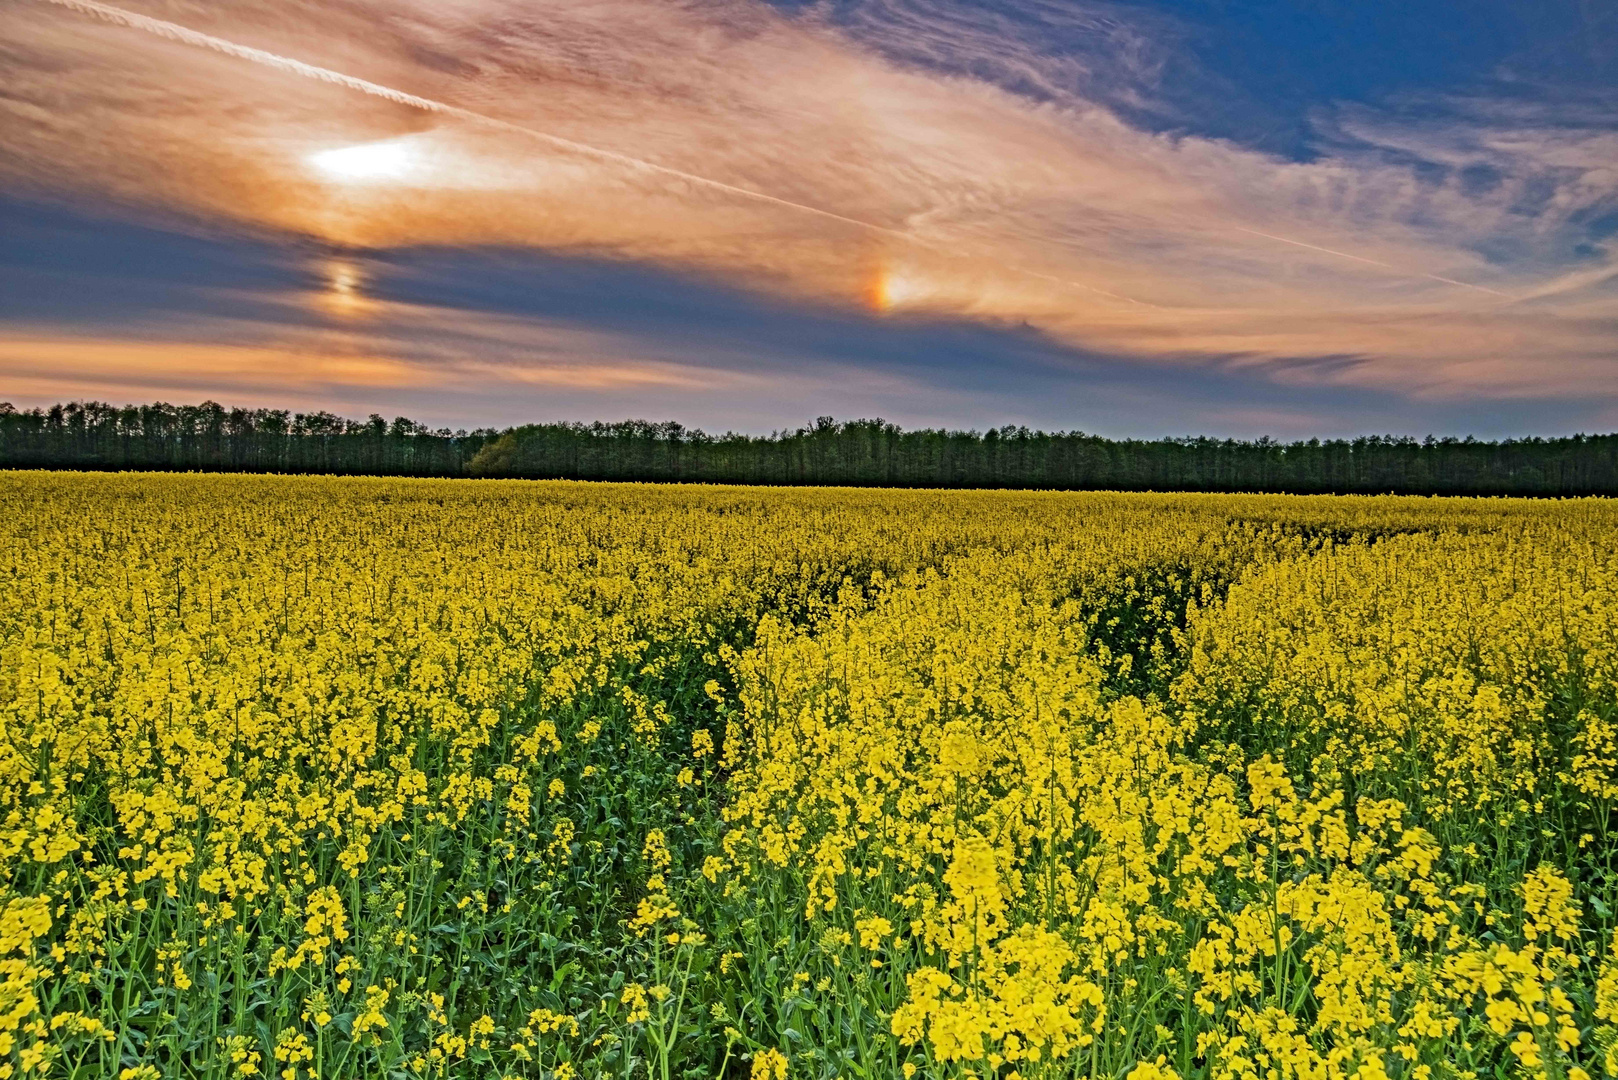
211,438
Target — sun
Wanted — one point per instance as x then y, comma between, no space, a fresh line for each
344,294
385,161
890,287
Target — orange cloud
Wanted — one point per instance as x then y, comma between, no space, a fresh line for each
77,361
401,347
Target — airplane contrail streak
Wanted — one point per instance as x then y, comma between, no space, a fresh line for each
1373,262
1569,283
184,34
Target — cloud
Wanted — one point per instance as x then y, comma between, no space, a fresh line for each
444,365
476,338
385,344
969,176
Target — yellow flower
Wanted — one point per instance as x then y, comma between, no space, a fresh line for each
769,1064
633,996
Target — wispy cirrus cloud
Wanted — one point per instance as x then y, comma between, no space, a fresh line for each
918,160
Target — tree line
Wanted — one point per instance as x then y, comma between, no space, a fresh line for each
212,438
208,437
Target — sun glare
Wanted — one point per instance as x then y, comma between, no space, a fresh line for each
344,293
889,288
390,160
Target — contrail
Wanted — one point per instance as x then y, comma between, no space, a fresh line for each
1570,283
176,32
1363,259
184,34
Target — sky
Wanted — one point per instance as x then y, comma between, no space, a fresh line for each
1277,217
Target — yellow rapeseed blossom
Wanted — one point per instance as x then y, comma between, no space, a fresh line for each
769,1064
322,777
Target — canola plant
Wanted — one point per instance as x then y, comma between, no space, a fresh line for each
313,777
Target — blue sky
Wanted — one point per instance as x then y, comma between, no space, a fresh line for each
1133,219
1259,71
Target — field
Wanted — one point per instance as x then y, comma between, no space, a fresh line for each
389,778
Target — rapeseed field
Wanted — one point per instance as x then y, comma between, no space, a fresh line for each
341,778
